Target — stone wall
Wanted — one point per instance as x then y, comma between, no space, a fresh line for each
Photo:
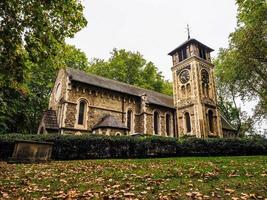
100,102
61,81
162,112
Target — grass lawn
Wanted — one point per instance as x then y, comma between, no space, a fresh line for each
165,178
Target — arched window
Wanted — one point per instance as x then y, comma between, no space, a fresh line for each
187,122
81,113
207,90
42,130
210,117
129,120
205,82
203,89
168,124
156,123
188,90
118,134
183,91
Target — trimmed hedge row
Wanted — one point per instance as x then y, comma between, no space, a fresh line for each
67,147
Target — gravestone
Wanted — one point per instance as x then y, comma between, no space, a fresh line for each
31,152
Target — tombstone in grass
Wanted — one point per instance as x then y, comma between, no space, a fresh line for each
31,152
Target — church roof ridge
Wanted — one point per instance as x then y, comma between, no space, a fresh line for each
92,79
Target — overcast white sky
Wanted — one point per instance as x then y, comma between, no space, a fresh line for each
154,27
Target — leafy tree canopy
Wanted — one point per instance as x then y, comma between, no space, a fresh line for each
241,69
32,48
33,31
130,67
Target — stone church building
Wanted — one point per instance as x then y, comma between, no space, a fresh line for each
85,103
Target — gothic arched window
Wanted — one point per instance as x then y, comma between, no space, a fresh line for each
207,91
129,120
210,117
188,90
156,123
82,112
203,89
205,82
168,124
183,91
187,122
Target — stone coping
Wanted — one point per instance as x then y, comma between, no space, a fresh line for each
35,142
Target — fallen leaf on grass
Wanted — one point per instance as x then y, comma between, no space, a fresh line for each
129,194
235,198
253,196
72,193
5,195
115,186
227,190
194,194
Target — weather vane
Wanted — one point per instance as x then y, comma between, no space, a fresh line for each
188,32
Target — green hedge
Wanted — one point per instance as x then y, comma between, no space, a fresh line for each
67,147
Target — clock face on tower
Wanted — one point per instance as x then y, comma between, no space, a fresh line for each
205,76
184,76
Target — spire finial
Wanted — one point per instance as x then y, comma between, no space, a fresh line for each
188,32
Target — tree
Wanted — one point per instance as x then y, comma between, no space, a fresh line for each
130,67
241,69
227,90
32,42
248,47
228,93
33,30
72,57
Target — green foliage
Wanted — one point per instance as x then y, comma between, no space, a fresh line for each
34,30
242,67
32,50
227,91
249,44
72,57
130,67
68,147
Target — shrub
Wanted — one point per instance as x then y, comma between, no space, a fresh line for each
69,147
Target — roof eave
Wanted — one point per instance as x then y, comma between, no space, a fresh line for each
187,42
122,128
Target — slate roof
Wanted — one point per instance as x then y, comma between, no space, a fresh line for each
153,97
50,120
191,40
226,124
109,121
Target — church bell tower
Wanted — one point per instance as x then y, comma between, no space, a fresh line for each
194,91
